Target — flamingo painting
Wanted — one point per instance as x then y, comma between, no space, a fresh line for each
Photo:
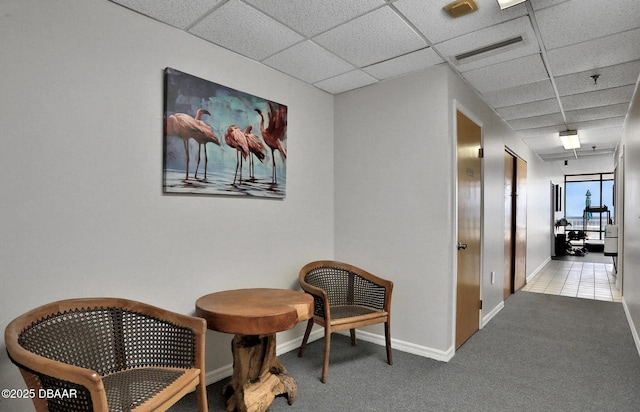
236,138
201,111
186,127
256,148
275,132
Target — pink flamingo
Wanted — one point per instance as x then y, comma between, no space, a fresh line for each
275,133
255,147
186,127
236,138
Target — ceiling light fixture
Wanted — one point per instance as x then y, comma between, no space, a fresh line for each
460,8
570,139
508,3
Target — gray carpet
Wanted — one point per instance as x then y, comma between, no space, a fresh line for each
540,353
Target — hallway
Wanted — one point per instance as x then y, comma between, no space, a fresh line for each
577,278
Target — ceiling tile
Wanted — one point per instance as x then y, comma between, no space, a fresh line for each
598,98
611,76
256,35
597,113
597,124
408,63
546,143
582,20
489,36
532,109
600,137
314,17
541,131
372,38
602,52
526,93
179,14
508,74
308,62
437,26
543,4
340,45
347,81
538,121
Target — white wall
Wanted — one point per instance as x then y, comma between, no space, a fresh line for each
394,154
631,228
393,198
83,212
81,179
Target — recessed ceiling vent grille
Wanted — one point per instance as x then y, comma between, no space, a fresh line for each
496,47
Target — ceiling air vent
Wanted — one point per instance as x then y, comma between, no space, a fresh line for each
490,48
460,7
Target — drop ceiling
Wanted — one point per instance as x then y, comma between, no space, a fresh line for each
574,64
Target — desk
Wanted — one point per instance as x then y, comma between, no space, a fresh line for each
254,316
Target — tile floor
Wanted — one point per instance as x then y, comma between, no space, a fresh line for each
587,280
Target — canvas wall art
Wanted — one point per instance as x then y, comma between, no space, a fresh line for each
221,141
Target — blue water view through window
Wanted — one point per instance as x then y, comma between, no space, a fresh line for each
594,191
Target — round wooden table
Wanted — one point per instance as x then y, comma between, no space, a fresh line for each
254,316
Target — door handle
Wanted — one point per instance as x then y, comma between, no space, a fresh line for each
462,246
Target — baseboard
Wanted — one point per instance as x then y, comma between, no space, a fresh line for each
402,346
219,374
486,319
632,326
294,344
538,269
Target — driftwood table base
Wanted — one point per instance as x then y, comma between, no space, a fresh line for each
258,375
254,316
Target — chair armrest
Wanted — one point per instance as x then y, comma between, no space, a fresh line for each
321,305
386,284
49,367
199,327
30,363
376,280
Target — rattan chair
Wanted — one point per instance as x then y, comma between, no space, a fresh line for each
108,355
345,297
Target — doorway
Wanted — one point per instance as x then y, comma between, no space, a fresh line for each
468,303
515,225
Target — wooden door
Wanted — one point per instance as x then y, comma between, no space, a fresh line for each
520,255
509,187
469,190
515,223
